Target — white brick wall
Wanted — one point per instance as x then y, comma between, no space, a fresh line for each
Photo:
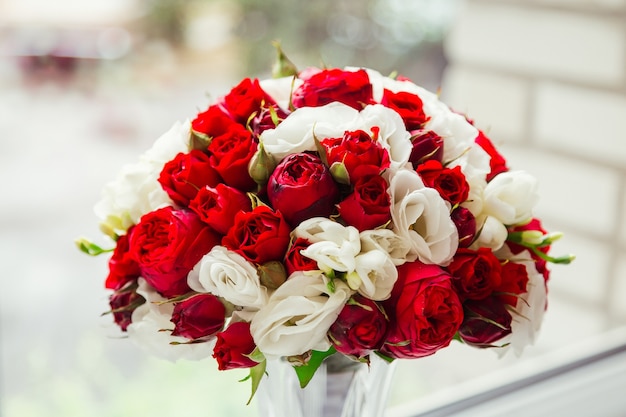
548,78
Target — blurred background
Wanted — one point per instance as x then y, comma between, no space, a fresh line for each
85,87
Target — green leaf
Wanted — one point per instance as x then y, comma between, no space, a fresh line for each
256,374
305,372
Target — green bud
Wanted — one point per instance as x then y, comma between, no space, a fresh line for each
282,67
261,166
340,173
199,141
272,274
354,280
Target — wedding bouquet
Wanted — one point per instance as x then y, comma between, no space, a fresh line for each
326,211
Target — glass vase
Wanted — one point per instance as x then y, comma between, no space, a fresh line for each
340,388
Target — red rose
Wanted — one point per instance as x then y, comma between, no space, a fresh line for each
295,261
301,187
218,206
540,264
198,317
450,183
476,273
268,118
424,311
260,235
409,106
230,154
123,302
486,321
122,266
167,243
427,145
352,88
497,163
358,152
244,100
514,282
465,223
212,122
360,327
233,347
183,176
368,206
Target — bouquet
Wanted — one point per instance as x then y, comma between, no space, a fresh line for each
320,212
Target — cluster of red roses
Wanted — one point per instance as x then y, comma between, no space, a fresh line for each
227,191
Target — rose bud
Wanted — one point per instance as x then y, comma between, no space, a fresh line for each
465,223
230,154
497,163
360,327
272,274
218,206
167,244
476,273
183,176
260,236
424,311
450,183
261,166
409,106
268,118
486,321
244,100
198,317
368,206
233,347
207,125
123,302
427,145
301,187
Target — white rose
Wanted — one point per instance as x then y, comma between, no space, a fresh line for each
298,316
420,215
148,321
531,306
228,275
375,273
298,131
510,197
387,241
492,235
333,246
280,89
136,190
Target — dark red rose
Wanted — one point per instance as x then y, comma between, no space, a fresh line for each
450,183
183,176
122,266
268,118
301,187
465,223
218,206
486,321
360,327
198,317
244,100
476,273
540,264
368,206
358,152
233,347
497,163
123,302
167,244
295,261
212,122
427,145
424,311
513,283
409,106
352,88
260,235
230,154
